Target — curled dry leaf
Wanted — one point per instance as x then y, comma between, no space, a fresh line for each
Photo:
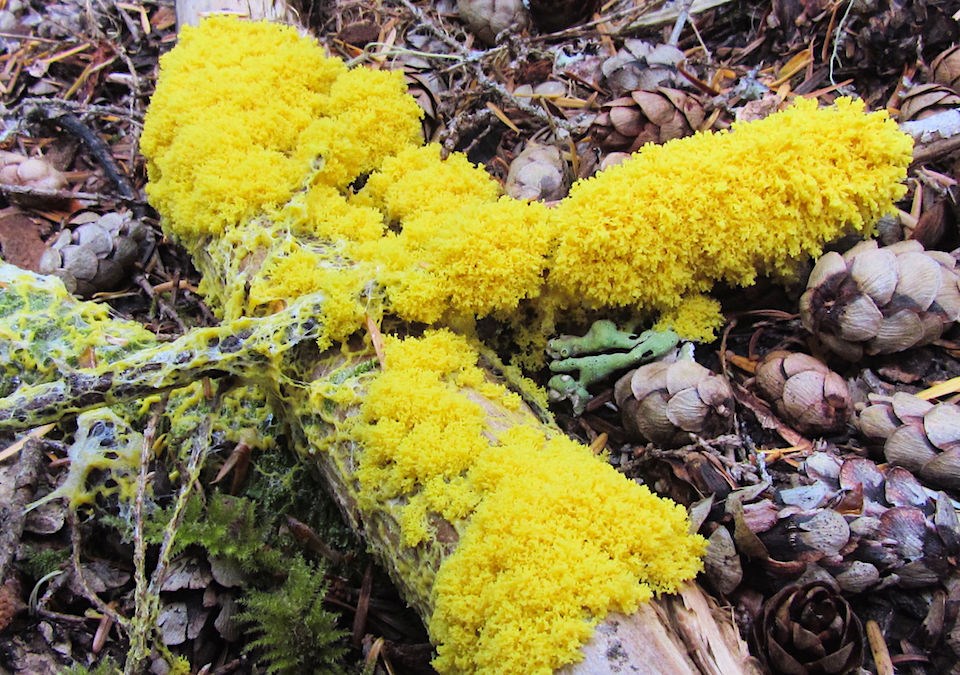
945,68
722,562
927,99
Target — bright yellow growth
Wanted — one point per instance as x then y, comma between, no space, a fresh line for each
257,146
676,218
245,112
251,120
551,537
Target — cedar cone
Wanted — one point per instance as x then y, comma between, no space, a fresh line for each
808,628
670,403
35,172
98,253
538,172
488,18
881,300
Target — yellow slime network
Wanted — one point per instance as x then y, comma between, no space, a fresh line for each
286,174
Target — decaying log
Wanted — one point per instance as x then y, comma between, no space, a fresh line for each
686,633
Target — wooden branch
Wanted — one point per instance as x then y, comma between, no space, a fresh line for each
935,136
189,12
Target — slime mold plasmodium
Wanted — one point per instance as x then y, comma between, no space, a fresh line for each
298,185
431,239
499,505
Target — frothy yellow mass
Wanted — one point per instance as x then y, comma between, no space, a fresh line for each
726,206
250,119
551,538
285,173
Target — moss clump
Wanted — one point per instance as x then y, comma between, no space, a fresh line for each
293,632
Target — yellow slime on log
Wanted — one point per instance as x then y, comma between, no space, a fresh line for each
511,540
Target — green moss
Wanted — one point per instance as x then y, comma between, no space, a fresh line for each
292,631
227,527
39,561
105,666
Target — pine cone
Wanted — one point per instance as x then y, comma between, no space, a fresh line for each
538,172
918,435
554,15
945,68
881,300
642,66
670,403
808,628
35,172
626,124
488,18
97,254
804,392
869,527
926,100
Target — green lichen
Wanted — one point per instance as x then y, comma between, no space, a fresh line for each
591,355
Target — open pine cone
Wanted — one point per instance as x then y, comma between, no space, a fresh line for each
34,172
808,628
917,435
881,300
489,18
97,253
804,392
657,116
669,403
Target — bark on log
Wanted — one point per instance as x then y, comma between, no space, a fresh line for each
189,12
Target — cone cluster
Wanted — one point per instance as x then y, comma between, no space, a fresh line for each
917,435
